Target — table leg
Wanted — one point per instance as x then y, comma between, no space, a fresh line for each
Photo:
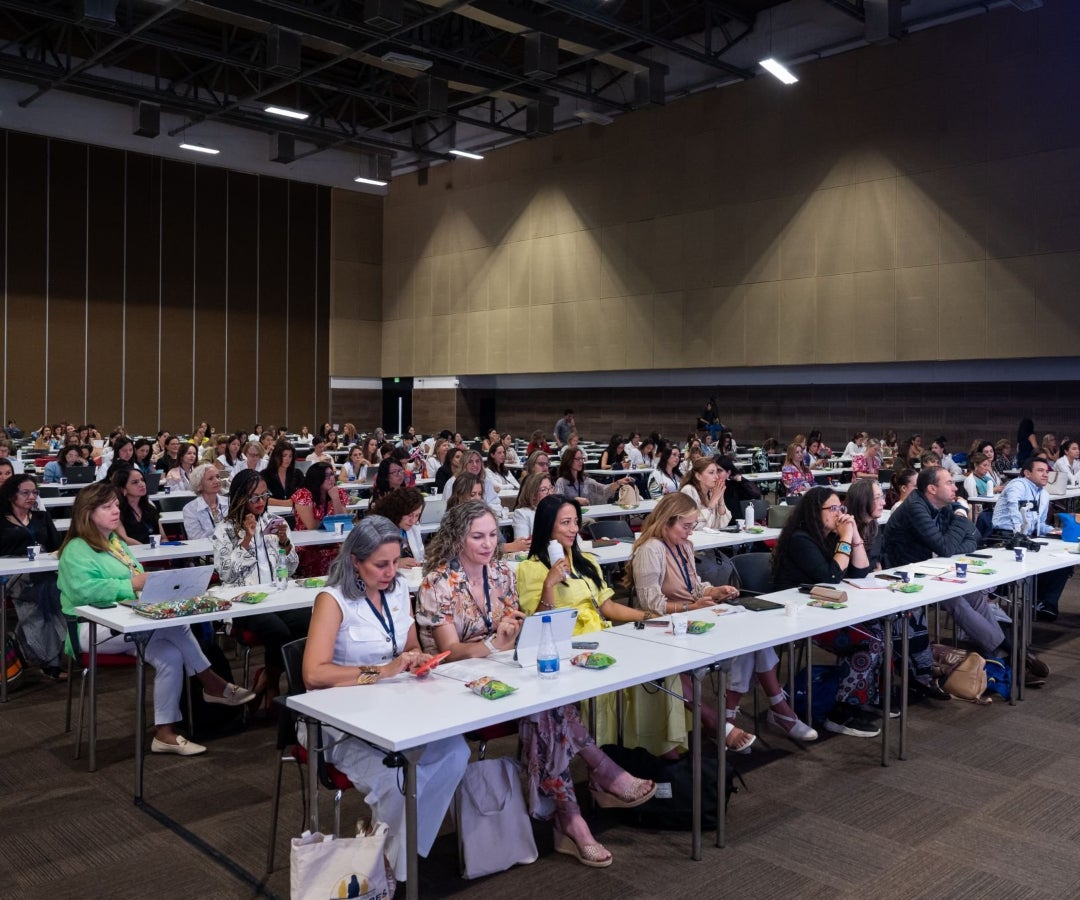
1016,591
886,690
904,654
695,755
620,716
412,880
721,757
140,712
1026,614
809,682
313,775
91,676
791,670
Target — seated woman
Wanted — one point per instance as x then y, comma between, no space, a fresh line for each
390,476
574,483
123,456
857,445
980,480
349,437
43,441
614,455
665,477
537,442
232,460
472,462
795,473
820,543
36,598
947,462
1068,463
888,444
283,479
1049,447
318,451
903,483
502,479
362,632
466,486
868,463
469,601
706,484
666,581
353,468
178,478
139,518
249,545
318,498
404,507
141,459
739,490
54,471
815,454
537,461
534,489
171,456
203,514
490,440
434,461
370,455
446,470
96,569
508,445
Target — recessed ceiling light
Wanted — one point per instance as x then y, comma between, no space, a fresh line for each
287,113
199,148
780,71
359,179
467,154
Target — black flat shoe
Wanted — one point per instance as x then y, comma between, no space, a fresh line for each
933,691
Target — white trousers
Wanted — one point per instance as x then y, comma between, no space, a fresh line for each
173,652
743,668
440,766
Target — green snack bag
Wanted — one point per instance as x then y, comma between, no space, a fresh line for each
982,571
592,660
313,582
910,588
490,688
697,627
251,597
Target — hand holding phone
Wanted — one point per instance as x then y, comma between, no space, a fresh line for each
431,664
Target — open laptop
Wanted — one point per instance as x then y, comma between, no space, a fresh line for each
80,474
153,482
528,640
173,584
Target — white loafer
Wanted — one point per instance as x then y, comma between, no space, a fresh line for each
182,747
234,695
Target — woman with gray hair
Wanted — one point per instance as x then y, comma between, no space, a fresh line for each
362,632
201,515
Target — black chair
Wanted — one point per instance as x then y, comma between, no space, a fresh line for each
614,529
172,504
754,571
291,750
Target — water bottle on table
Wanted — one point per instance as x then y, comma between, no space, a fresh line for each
282,570
547,653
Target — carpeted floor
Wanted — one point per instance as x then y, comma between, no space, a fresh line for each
986,806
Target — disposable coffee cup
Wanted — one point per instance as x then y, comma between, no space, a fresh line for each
678,627
339,528
63,480
1020,552
905,576
32,552
961,570
791,608
153,542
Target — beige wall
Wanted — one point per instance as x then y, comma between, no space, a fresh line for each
356,285
916,201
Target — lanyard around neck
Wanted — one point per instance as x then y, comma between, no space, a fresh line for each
683,564
387,623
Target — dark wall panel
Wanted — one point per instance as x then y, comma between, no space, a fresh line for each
211,251
178,229
142,292
105,289
243,238
273,353
27,175
156,294
303,239
66,354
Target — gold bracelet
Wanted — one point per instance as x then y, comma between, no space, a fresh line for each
368,675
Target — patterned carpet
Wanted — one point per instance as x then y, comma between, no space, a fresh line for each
987,805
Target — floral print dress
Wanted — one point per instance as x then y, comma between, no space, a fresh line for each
549,740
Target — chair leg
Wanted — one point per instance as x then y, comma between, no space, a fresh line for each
190,711
337,813
70,694
247,667
271,847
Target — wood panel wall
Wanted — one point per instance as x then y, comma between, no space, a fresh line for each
156,294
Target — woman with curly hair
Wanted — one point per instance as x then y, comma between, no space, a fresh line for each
468,602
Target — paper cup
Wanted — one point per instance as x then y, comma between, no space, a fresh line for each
153,542
905,576
678,627
339,528
961,570
1020,553
32,552
791,609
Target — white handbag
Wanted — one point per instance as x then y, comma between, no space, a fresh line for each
1058,483
493,826
322,866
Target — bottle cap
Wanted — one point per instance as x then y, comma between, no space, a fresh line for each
546,619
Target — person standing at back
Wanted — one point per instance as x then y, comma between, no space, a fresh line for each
563,427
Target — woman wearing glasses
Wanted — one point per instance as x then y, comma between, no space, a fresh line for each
318,498
820,544
388,478
573,482
537,461
36,598
663,574
247,547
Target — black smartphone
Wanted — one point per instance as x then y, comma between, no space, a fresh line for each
981,555
805,588
584,645
920,574
885,576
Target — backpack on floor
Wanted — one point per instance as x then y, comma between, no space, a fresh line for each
672,806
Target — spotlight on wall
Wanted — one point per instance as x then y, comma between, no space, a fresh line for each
778,70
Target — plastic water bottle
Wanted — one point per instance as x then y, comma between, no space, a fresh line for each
547,654
282,570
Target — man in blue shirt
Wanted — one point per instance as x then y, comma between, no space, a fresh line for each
1023,507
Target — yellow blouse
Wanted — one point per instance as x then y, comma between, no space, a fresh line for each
578,591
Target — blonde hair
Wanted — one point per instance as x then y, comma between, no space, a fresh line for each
664,514
463,461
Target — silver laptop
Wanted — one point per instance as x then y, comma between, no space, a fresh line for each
175,584
562,627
